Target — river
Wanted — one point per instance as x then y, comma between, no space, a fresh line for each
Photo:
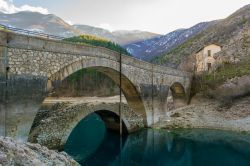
90,143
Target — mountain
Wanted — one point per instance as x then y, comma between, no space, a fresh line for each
33,21
51,24
99,32
232,33
148,49
121,37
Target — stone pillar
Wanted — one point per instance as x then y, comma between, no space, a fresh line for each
25,94
154,97
170,101
3,88
160,93
20,96
146,92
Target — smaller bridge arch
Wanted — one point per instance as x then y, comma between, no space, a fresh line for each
130,119
179,94
55,131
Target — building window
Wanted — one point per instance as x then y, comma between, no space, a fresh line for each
209,66
208,52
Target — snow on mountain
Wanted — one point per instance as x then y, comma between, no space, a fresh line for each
148,49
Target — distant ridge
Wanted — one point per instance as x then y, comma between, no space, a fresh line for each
51,24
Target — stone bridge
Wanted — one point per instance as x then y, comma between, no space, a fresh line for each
30,67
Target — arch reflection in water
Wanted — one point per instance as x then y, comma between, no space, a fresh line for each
197,147
86,137
95,135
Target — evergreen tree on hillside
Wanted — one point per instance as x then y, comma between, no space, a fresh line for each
96,41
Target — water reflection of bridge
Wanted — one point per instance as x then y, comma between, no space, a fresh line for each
184,147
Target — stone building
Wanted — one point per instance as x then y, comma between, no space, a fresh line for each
205,59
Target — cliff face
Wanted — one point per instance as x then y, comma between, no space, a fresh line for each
16,153
232,33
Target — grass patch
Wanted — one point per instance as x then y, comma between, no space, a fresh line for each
226,71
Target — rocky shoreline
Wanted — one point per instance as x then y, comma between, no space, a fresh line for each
201,113
209,114
13,152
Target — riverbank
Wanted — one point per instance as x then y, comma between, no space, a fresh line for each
206,113
201,113
13,152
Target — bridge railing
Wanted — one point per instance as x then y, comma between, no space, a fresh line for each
31,33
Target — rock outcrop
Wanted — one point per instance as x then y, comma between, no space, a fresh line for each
17,153
207,113
232,89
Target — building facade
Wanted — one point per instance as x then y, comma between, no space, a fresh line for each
205,59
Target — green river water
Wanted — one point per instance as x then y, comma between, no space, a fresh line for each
91,144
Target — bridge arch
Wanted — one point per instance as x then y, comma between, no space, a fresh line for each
54,131
178,94
105,111
109,68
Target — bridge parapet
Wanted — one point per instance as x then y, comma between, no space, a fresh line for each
13,40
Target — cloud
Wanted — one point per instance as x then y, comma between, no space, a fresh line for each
106,26
69,22
34,9
7,6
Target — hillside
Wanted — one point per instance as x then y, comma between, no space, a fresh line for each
121,37
96,41
148,49
232,33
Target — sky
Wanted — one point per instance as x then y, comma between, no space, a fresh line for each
158,16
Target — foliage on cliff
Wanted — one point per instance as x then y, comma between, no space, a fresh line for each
223,73
96,41
228,83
